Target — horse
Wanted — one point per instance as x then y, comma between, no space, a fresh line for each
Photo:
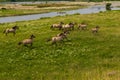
27,41
57,26
82,26
95,30
11,30
64,33
57,39
69,26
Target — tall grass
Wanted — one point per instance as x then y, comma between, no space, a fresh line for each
83,56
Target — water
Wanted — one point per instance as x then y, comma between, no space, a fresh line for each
89,10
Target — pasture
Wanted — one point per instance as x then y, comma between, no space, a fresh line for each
83,56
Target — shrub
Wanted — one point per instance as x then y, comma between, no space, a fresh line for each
3,9
108,6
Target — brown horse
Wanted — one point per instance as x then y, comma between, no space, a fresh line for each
57,39
69,26
27,41
59,26
11,30
95,30
64,33
82,26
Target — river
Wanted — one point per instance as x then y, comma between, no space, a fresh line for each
89,10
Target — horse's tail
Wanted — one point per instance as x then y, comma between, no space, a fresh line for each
4,31
48,40
51,26
19,43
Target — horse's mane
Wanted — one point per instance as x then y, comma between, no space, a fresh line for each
14,27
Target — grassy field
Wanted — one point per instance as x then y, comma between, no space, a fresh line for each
83,56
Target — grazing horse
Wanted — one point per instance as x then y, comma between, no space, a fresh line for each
82,26
69,26
57,25
11,30
95,30
27,41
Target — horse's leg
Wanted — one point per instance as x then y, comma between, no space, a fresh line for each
25,45
82,28
31,44
54,42
6,34
66,38
72,27
60,27
14,33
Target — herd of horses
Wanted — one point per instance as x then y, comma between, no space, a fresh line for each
65,28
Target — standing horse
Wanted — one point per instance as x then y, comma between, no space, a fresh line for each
11,30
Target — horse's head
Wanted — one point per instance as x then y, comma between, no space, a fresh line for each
32,36
97,27
82,23
61,22
15,27
72,23
66,32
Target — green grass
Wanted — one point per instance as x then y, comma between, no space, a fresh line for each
83,56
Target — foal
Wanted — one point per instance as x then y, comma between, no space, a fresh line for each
11,30
27,41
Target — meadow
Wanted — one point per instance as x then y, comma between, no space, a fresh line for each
84,56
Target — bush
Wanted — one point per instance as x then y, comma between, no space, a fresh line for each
108,6
3,9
